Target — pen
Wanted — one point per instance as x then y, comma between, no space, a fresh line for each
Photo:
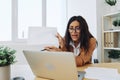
43,49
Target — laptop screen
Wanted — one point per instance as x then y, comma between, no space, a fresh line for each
52,65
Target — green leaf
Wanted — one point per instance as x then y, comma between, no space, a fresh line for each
7,56
111,2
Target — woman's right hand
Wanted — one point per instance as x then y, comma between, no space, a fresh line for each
61,45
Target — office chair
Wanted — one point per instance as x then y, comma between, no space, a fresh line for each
96,61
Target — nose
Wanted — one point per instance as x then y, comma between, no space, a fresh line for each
75,30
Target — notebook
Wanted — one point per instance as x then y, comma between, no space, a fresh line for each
52,65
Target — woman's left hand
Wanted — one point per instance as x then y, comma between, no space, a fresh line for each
52,48
61,41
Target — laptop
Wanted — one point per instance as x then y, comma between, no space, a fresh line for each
52,65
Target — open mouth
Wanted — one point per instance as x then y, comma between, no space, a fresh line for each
74,36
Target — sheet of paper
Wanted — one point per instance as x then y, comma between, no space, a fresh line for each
40,36
102,73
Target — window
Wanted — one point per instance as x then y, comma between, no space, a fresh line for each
29,14
5,20
17,16
56,15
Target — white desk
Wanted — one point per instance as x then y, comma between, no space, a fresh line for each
25,71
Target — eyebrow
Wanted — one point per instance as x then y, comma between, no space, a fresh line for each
75,26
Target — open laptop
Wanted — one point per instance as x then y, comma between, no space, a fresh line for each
53,65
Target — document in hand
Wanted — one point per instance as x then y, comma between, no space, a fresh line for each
102,73
42,35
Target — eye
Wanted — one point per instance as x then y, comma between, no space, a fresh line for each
78,28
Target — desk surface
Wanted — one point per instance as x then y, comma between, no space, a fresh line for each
25,71
105,65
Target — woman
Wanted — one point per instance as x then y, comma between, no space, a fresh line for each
78,40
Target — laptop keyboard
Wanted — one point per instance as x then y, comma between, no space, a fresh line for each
81,75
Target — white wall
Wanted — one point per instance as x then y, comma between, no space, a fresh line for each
100,11
87,9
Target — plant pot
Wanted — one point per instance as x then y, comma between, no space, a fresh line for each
118,5
5,73
115,60
113,9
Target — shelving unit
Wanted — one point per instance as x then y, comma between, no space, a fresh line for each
110,35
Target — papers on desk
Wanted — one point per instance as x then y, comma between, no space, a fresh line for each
102,73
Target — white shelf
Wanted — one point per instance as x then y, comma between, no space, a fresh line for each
111,48
110,35
114,14
112,30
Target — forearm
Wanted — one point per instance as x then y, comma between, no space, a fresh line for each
85,57
79,61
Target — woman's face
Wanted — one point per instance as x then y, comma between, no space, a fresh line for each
74,30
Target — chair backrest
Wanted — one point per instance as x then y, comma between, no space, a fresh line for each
96,61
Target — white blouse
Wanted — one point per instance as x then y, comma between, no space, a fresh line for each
76,49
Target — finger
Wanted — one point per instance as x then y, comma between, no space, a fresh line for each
46,47
58,36
60,39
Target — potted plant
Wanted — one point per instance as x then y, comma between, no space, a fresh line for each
112,5
119,23
111,2
7,57
115,23
114,55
